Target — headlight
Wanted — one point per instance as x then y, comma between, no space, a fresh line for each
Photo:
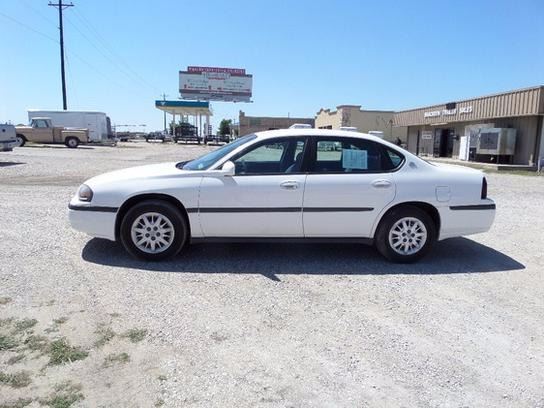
85,193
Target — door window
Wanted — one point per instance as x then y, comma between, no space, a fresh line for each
40,123
345,155
272,157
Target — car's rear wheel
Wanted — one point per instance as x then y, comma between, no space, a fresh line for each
405,234
72,142
21,140
153,230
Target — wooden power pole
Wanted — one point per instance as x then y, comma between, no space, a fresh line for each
61,7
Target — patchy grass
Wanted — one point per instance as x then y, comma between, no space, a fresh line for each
65,395
15,359
135,335
6,322
36,343
61,320
61,352
112,359
115,314
20,403
24,325
17,380
8,342
4,300
159,403
105,335
162,377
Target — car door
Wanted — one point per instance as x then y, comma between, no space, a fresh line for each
262,199
348,185
41,132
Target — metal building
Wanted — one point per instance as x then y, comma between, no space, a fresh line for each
443,130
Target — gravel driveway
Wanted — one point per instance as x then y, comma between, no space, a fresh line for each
260,325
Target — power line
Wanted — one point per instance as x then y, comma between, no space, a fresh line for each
28,27
85,22
60,6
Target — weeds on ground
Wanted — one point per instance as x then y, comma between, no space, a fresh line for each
162,377
8,342
60,320
36,343
111,359
4,300
60,352
6,322
15,359
105,334
24,325
20,403
159,403
17,380
135,335
64,396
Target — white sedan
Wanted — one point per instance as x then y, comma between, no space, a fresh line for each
294,184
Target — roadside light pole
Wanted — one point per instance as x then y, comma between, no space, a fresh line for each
164,99
61,7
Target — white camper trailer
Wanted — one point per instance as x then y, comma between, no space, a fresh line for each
97,122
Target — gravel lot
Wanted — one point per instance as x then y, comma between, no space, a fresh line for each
262,325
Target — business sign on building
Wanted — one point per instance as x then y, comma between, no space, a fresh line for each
216,84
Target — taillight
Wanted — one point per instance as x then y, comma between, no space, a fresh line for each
484,189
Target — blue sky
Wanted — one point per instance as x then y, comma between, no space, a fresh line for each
304,55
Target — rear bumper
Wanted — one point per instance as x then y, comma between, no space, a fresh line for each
460,220
95,221
7,145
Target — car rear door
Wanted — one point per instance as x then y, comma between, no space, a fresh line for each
262,199
348,184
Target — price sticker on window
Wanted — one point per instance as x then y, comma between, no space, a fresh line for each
354,159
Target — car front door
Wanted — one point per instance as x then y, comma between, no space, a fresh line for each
41,132
348,185
262,199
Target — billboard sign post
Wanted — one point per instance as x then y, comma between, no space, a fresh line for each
215,84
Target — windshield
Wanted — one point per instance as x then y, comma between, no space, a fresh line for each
206,161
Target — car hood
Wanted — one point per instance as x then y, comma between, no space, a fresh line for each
152,171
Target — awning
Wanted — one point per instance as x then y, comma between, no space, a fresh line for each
191,108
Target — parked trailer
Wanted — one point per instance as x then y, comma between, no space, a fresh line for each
98,123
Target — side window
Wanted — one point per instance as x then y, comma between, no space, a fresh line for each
40,124
346,155
395,159
274,157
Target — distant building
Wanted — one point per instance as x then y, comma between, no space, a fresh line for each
252,124
454,129
363,120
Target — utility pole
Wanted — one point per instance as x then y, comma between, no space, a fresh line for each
61,7
164,99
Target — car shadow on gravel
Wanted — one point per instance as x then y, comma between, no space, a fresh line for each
456,255
7,164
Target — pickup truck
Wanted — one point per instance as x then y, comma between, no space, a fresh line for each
41,130
8,140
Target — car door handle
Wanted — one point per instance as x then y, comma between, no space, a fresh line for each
289,185
381,183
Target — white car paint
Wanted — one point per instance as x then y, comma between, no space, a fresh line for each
206,193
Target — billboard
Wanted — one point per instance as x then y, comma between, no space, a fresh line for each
215,84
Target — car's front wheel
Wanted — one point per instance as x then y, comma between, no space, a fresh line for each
21,140
405,234
153,230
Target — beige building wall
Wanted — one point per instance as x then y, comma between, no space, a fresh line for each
363,120
252,124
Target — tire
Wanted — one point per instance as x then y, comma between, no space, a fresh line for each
171,219
408,248
72,142
21,140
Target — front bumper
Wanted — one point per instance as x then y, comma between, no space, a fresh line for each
95,221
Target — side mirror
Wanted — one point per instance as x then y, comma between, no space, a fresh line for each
228,169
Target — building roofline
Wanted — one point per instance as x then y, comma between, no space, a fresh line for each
473,98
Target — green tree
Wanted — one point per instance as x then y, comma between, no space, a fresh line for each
224,127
